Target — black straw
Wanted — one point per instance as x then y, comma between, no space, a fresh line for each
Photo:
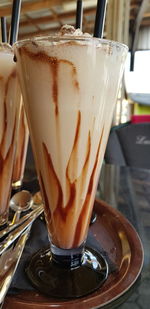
100,18
15,21
79,14
3,29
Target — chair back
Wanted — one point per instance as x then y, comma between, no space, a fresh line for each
129,145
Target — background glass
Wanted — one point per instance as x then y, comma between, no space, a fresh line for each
9,115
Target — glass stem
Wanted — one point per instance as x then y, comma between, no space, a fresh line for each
68,258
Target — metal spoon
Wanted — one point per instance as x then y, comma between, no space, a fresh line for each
20,202
34,203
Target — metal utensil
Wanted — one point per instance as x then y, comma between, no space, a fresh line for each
20,202
9,262
15,223
20,229
10,252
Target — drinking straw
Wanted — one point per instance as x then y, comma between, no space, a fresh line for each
15,21
3,29
100,18
79,14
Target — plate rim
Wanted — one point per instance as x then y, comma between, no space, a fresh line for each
88,301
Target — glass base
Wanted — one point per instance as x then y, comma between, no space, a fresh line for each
73,273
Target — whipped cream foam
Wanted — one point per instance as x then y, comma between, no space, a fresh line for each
6,48
70,30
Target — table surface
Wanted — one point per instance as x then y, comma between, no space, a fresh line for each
128,190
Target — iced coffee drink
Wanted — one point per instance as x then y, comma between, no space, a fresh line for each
9,114
69,84
21,149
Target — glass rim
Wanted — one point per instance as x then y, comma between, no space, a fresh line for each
6,47
82,38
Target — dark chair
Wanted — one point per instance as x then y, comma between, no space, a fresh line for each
129,145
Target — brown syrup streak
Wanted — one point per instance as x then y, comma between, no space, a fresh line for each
70,202
88,152
54,68
52,172
12,75
23,139
5,124
5,164
13,136
46,203
54,65
74,73
1,163
22,133
86,203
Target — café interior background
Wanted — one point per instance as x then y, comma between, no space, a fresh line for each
127,21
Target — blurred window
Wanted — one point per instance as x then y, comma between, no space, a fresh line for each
142,62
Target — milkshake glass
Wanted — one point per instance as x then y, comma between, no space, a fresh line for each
21,149
9,115
69,86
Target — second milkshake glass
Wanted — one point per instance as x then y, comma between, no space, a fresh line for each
9,117
69,86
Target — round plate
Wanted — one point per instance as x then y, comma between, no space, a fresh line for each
120,240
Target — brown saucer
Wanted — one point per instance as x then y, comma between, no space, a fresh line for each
120,240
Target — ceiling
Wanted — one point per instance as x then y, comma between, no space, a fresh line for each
47,16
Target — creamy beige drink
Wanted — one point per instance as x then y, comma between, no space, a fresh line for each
21,149
69,86
9,114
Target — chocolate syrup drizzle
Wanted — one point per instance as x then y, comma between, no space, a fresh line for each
21,146
54,65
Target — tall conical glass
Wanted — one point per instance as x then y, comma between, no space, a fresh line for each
9,117
69,87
